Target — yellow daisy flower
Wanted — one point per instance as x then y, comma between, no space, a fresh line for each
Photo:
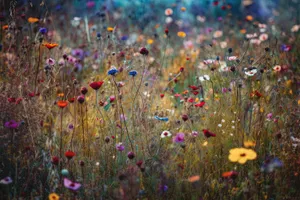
241,155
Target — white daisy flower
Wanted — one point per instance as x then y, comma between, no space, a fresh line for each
204,78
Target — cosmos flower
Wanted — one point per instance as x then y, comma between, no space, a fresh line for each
179,138
251,72
263,37
241,155
53,196
277,68
7,180
71,185
165,134
232,58
204,78
208,61
168,11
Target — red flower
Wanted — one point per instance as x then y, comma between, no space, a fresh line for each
161,95
195,92
83,90
62,104
190,99
139,163
55,160
185,117
70,154
230,174
208,134
166,31
71,100
11,99
31,94
144,51
193,87
96,85
19,100
215,3
112,98
200,104
181,69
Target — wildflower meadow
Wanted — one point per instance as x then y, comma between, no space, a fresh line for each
149,99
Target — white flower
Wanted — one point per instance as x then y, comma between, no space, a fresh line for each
204,78
251,72
220,125
165,134
295,28
223,120
208,61
76,21
251,36
201,18
232,58
223,44
263,37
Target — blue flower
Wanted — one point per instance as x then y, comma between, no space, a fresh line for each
43,31
112,71
165,119
133,73
271,165
124,37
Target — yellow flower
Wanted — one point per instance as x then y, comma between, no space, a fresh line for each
241,155
110,29
248,144
181,34
150,41
53,196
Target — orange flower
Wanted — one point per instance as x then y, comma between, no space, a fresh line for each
110,29
50,45
32,20
193,179
249,18
4,27
62,104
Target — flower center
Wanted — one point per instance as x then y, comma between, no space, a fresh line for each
242,154
72,185
165,133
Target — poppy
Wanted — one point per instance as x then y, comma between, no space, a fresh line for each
193,87
200,104
50,45
70,154
5,27
161,95
62,104
208,134
11,100
71,100
32,20
96,85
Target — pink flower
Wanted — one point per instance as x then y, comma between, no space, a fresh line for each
7,180
179,138
50,61
71,185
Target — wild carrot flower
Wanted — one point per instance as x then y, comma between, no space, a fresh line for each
241,155
165,134
71,185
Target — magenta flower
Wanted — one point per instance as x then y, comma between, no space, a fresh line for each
50,61
7,180
120,147
11,124
179,138
71,185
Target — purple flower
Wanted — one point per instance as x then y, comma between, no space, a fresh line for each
11,124
123,117
194,133
120,147
78,53
179,138
7,180
269,116
163,188
271,165
50,61
71,185
90,4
